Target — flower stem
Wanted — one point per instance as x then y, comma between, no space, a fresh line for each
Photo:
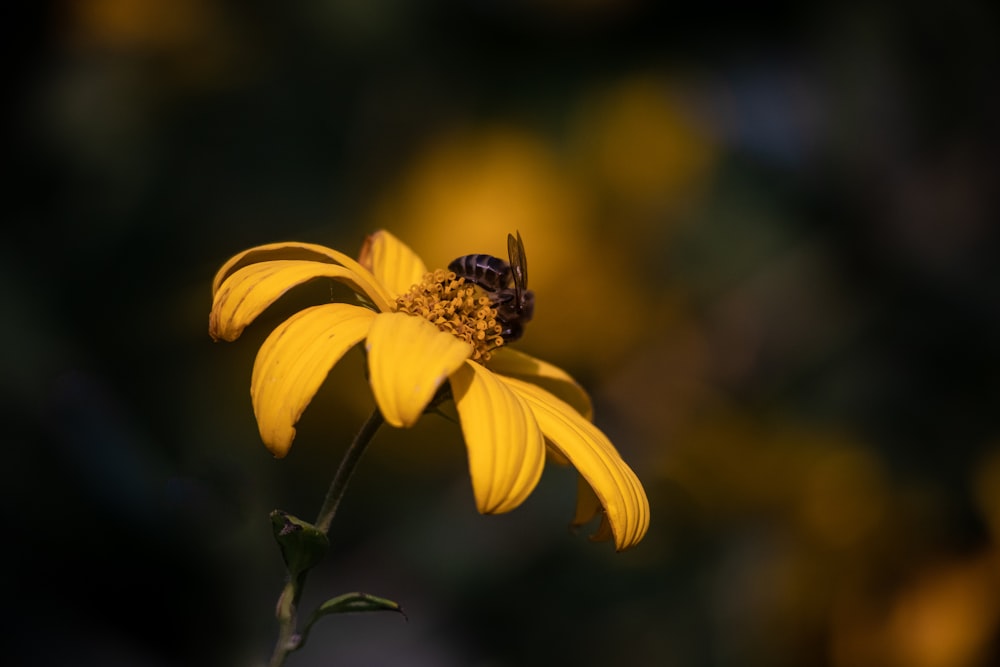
287,609
346,470
287,613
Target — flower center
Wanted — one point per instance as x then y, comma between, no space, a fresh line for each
461,309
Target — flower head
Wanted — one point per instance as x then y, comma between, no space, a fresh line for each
421,330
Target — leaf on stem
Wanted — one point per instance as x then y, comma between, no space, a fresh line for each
302,544
348,603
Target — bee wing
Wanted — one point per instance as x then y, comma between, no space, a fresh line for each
518,263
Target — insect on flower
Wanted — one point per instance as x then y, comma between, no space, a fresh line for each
505,284
421,329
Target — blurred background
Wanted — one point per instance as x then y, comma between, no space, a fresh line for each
765,243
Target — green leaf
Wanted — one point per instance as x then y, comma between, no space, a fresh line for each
350,602
302,544
347,603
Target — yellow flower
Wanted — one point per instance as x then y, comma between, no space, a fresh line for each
422,329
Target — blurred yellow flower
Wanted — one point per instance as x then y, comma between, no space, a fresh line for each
422,329
508,177
642,149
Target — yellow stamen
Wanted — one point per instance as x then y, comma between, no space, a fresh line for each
461,309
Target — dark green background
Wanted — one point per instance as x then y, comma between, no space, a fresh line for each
135,489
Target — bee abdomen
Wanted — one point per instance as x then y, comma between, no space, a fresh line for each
489,272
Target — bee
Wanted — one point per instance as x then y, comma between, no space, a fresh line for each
505,283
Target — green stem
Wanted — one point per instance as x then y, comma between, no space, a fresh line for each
346,470
287,613
288,601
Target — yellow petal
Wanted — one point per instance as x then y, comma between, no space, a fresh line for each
604,531
305,252
408,360
512,362
588,505
506,448
596,459
508,361
392,262
293,362
248,292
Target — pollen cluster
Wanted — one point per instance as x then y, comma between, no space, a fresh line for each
454,306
